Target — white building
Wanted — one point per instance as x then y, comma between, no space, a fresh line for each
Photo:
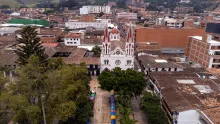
126,15
72,39
97,9
117,53
170,22
75,25
185,1
84,11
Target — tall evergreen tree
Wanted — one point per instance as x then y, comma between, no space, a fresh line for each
30,45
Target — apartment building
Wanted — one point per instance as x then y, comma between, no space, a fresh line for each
87,18
125,15
75,25
96,9
172,38
170,22
72,39
205,50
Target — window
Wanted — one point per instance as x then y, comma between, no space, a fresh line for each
129,62
74,39
71,39
114,37
74,42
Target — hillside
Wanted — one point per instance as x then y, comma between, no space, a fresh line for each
11,3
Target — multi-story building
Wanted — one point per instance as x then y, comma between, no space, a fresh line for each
172,39
170,22
185,1
72,39
75,25
97,9
205,50
87,18
125,15
184,9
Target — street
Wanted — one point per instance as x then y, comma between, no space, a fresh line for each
101,106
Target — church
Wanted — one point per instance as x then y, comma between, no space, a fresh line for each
117,52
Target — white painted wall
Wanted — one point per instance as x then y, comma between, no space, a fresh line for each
72,41
189,117
84,11
74,25
113,58
98,9
114,37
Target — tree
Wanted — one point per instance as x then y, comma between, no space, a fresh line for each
29,44
150,104
128,82
4,6
44,93
97,51
101,14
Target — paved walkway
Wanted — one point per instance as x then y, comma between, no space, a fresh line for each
139,115
101,107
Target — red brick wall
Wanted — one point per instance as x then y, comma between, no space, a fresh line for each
197,51
168,38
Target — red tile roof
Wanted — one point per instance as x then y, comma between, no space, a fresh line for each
73,35
115,31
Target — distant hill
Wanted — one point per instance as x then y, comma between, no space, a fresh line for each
11,3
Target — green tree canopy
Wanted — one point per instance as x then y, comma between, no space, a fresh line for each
97,51
128,82
150,104
60,91
29,44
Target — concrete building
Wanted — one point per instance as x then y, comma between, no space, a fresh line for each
95,9
87,18
75,25
125,15
116,52
84,11
72,39
170,22
167,38
187,97
185,1
205,49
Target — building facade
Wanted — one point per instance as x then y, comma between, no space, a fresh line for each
117,53
72,39
172,38
125,15
75,25
97,9
204,50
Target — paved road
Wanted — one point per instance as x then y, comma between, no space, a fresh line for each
101,107
139,115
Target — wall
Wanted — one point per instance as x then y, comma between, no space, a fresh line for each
72,41
74,25
113,58
198,51
168,38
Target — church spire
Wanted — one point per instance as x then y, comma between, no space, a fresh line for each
129,42
106,46
106,35
129,37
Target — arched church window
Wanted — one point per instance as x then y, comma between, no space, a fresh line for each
129,62
114,37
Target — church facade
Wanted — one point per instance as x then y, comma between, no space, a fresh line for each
116,52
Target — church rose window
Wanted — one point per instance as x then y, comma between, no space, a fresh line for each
118,52
117,62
